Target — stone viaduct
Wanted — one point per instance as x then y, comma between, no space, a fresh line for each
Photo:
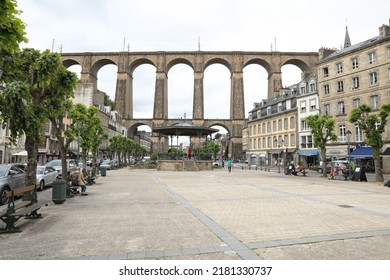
235,61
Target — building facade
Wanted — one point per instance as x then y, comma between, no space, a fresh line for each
272,130
357,74
307,105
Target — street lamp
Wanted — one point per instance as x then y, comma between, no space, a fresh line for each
79,125
349,133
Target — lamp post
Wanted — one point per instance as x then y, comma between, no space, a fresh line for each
279,146
79,125
349,133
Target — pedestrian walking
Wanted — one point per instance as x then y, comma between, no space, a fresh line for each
230,162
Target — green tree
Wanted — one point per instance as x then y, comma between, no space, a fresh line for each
373,126
322,128
86,122
39,86
12,33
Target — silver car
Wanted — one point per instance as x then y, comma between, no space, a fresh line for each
57,165
12,177
46,175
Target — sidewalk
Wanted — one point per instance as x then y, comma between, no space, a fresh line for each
246,214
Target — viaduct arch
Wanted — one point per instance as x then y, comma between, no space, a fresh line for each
235,62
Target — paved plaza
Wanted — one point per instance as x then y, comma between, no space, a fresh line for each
210,215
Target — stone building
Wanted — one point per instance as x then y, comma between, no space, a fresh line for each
357,74
272,130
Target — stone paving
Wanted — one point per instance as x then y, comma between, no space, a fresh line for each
211,215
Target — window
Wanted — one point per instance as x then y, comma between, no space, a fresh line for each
374,101
292,139
258,129
254,143
268,126
303,106
286,140
303,142
307,142
339,67
264,142
292,122
326,89
325,71
342,135
310,141
303,89
250,144
263,128
313,105
254,130
341,107
355,82
269,142
327,109
355,63
312,87
279,107
388,52
371,57
280,124
269,111
304,125
274,126
373,78
358,134
340,86
388,74
356,102
285,120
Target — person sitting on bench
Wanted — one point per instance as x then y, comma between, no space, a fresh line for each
300,168
81,181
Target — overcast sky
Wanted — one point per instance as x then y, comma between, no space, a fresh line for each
179,25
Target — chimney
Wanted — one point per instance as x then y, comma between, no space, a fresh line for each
384,30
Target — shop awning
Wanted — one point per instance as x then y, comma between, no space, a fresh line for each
362,153
308,153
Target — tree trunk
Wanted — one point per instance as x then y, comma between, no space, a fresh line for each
378,170
31,146
323,158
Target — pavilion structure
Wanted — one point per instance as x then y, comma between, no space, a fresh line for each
184,129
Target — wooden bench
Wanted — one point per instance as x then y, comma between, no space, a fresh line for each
28,207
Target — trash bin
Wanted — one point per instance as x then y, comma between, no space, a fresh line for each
59,191
103,171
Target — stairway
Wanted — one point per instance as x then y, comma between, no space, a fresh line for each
190,165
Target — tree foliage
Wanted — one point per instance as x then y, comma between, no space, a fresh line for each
36,91
12,31
87,123
373,126
322,129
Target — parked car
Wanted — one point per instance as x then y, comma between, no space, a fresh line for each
46,175
340,164
11,178
106,164
57,165
114,164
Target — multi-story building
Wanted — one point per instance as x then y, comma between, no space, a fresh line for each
357,74
307,104
272,126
